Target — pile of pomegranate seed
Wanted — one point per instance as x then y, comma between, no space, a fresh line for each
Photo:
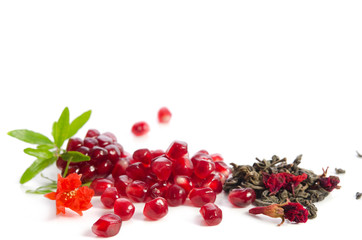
161,179
104,150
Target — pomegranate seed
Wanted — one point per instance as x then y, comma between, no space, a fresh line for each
164,115
201,196
200,156
107,226
176,150
88,173
110,135
90,142
241,197
120,167
103,168
157,153
158,189
121,183
124,208
113,152
143,155
203,168
99,185
137,191
92,133
185,182
140,128
83,149
137,171
213,181
104,140
109,196
98,154
176,195
211,213
150,180
183,166
222,167
156,208
216,157
74,144
121,150
61,163
162,168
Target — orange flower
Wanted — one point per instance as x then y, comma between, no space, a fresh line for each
71,195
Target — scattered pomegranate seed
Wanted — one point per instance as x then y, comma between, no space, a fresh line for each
241,197
143,155
137,191
137,171
185,182
162,168
158,189
201,196
124,208
140,128
164,115
99,185
176,195
176,150
109,196
203,168
211,213
107,226
121,183
156,208
213,181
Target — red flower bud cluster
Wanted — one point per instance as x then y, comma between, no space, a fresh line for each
328,183
276,181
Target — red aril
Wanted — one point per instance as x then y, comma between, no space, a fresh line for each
164,115
137,191
203,168
162,168
74,143
121,183
140,128
99,185
143,155
158,189
176,150
201,196
156,208
211,213
92,133
109,196
241,197
213,181
185,182
124,208
176,195
107,226
183,166
222,167
216,157
120,167
113,152
137,171
104,140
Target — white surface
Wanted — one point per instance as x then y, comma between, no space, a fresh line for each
243,78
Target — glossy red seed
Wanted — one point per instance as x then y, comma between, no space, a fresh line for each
211,213
84,150
103,168
143,155
176,195
120,167
203,168
90,142
156,208
216,157
162,168
140,128
214,182
88,172
158,189
137,171
110,135
99,185
92,133
222,167
74,144
124,208
177,149
109,196
183,166
121,183
137,191
164,115
241,197
113,152
157,153
185,182
201,196
104,140
107,226
98,154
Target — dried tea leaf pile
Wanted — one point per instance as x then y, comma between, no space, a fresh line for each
302,185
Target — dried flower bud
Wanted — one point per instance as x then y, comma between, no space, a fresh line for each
293,211
328,183
275,182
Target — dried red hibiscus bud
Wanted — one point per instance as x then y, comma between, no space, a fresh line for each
292,211
328,183
276,181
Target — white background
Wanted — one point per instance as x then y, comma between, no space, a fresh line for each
242,78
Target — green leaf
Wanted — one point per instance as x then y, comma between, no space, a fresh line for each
74,156
39,153
45,146
78,123
36,167
30,136
61,130
44,189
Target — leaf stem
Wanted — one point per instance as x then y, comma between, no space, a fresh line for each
66,167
